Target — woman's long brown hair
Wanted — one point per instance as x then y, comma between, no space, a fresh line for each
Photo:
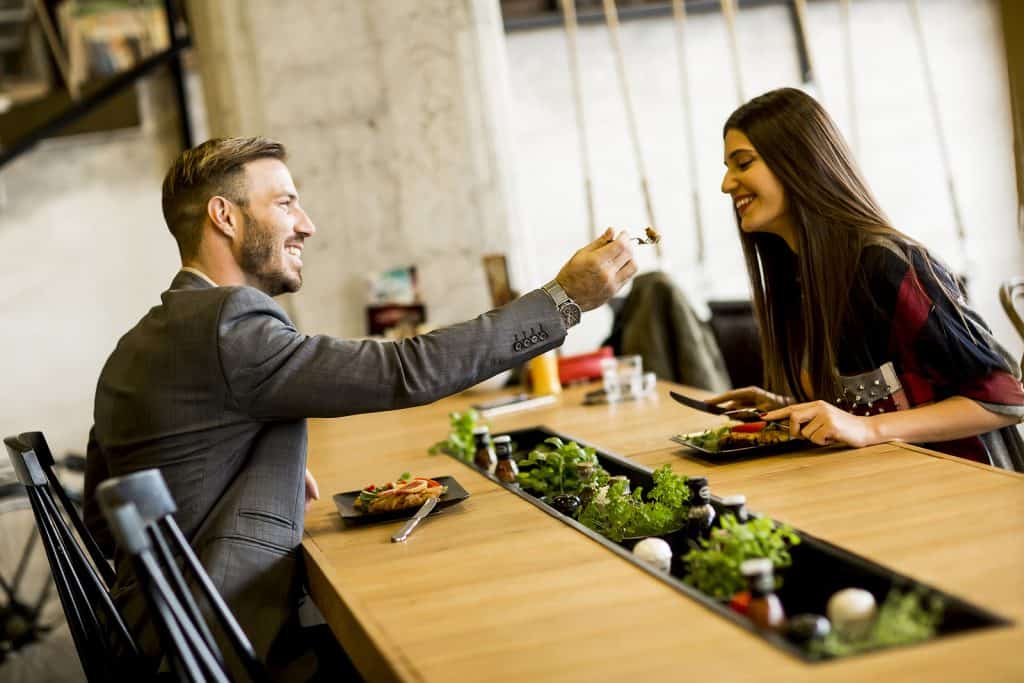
834,216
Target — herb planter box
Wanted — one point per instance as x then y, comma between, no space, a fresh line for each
819,568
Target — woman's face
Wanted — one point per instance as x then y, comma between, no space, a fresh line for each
757,195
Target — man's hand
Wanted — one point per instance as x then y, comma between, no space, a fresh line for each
824,424
312,490
597,271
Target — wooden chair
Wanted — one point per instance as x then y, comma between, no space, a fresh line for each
1011,295
139,509
105,648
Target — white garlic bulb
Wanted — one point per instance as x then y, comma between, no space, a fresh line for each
852,611
655,552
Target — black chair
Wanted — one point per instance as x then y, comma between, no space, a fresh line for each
37,442
735,329
105,648
139,509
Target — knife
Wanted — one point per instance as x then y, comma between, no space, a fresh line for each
424,510
741,414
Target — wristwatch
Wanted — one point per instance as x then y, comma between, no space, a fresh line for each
567,308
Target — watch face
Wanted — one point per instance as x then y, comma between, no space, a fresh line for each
571,313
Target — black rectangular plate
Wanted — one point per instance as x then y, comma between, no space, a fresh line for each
746,451
345,502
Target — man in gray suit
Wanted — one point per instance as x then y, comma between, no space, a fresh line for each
214,384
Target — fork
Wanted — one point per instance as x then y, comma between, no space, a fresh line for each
649,239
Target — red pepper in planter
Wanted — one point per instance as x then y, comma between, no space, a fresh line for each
749,427
740,601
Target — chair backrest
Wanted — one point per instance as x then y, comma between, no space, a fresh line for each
1011,295
139,509
101,638
37,442
735,329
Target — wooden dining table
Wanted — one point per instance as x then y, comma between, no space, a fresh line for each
495,589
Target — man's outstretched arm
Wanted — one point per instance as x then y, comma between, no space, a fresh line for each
275,372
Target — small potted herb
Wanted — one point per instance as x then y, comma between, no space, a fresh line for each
714,566
557,468
620,515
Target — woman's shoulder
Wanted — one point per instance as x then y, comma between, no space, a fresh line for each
889,266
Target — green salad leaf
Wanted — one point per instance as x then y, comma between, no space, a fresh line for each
617,514
714,567
708,440
460,439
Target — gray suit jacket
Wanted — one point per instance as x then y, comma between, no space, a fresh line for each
213,386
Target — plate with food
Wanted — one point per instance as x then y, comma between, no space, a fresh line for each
398,499
743,439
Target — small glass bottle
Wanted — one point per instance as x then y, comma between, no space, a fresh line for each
506,469
484,457
765,608
701,516
735,505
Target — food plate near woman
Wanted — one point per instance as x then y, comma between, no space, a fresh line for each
745,439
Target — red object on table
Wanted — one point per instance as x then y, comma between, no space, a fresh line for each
582,367
740,602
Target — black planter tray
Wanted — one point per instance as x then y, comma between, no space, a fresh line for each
819,568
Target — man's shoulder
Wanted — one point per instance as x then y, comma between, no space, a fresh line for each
214,301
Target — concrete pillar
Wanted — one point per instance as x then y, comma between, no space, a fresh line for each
392,115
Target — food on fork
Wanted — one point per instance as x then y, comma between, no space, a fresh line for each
651,237
404,492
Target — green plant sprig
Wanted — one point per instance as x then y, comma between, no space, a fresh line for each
714,567
459,443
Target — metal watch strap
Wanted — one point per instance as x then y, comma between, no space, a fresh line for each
562,300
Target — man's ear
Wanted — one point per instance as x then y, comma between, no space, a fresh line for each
224,215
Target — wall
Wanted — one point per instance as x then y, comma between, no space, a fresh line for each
898,148
83,254
393,119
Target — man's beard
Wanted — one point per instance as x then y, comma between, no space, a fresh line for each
262,259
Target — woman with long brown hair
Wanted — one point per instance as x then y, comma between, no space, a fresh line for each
865,336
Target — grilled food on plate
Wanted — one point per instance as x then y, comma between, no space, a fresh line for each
742,435
404,492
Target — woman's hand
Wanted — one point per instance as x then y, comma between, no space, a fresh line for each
750,397
824,424
312,490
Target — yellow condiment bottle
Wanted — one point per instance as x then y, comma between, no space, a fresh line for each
543,371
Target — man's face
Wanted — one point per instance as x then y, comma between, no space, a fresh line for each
274,229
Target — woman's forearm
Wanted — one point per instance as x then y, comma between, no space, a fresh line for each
954,418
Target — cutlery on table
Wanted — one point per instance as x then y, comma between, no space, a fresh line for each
424,510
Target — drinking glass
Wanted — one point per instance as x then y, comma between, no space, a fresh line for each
622,377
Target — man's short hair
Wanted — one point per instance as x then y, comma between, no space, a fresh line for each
216,167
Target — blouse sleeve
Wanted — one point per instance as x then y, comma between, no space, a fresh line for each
943,351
